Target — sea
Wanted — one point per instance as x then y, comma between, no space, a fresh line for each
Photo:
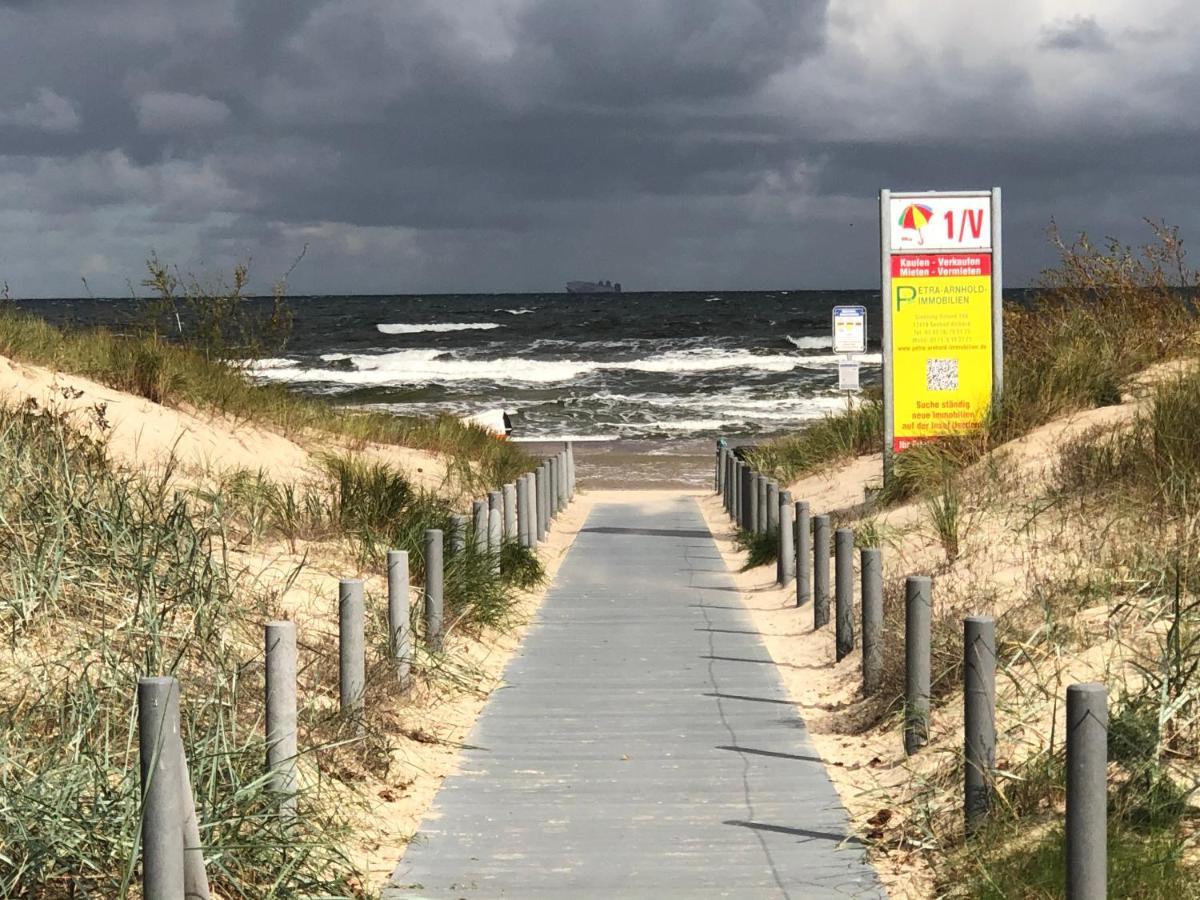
642,383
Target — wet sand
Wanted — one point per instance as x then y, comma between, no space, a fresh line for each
638,464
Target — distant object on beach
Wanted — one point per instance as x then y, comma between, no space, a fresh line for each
496,421
593,287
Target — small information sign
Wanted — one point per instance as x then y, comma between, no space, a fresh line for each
847,374
849,329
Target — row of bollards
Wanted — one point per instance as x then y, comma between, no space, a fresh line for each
756,504
172,856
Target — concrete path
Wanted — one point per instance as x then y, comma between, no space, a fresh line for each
643,746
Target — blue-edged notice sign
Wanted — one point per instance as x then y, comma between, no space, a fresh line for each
849,329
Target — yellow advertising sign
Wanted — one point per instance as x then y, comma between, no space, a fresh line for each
941,344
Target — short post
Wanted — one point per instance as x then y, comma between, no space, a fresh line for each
399,623
523,512
1087,791
433,589
871,562
785,565
918,606
820,571
562,481
760,522
844,592
352,661
162,788
727,495
458,534
510,512
282,745
755,484
717,469
531,507
570,470
479,512
803,553
539,502
552,494
495,505
495,538
772,505
749,492
979,719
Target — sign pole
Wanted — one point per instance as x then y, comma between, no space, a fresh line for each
997,303
885,270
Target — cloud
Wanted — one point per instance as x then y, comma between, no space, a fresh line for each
173,111
48,111
513,144
1076,33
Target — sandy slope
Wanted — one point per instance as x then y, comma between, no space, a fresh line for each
147,434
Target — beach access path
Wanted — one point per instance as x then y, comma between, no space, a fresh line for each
643,745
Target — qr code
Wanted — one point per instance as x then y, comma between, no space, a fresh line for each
941,374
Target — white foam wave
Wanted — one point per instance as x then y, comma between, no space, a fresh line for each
270,362
431,365
810,343
401,328
523,311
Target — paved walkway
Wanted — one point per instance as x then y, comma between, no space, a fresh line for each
643,746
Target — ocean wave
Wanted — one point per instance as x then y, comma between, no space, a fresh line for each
270,362
440,326
810,343
523,311
430,365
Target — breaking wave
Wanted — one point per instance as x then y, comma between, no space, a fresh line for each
441,326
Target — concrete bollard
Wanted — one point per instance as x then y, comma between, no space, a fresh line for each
510,512
547,502
531,507
918,607
760,522
746,520
479,515
552,498
1087,791
755,484
730,482
495,538
735,471
570,470
399,621
433,589
539,502
820,571
871,563
458,534
282,745
772,506
523,512
803,553
843,592
717,468
352,660
162,788
562,481
979,717
785,562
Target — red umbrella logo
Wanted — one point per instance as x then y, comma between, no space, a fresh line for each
916,216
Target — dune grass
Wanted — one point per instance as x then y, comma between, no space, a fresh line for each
109,576
1101,316
172,374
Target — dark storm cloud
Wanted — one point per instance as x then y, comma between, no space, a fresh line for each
512,144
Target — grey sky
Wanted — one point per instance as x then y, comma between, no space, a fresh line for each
463,145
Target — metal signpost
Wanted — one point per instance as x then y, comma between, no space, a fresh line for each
849,337
943,338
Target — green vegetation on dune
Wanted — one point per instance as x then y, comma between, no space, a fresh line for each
1101,316
181,375
108,577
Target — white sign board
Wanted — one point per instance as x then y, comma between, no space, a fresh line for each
849,329
848,375
921,223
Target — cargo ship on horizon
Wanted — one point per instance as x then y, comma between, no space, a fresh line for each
593,287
